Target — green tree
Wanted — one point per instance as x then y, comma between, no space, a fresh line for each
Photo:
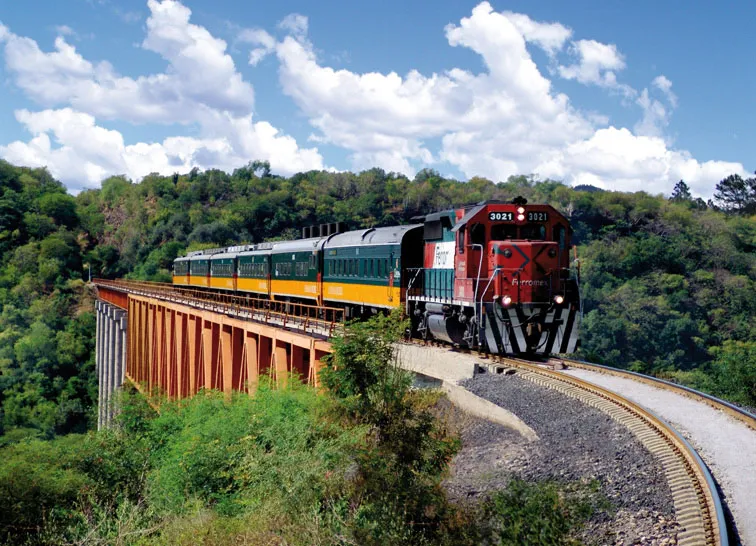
734,194
681,192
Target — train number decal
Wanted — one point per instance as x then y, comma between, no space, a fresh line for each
538,217
501,216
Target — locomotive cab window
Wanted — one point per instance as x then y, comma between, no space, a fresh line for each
559,236
478,234
533,232
461,240
502,232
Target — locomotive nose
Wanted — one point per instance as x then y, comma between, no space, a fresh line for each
527,270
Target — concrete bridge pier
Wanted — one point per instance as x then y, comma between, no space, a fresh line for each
110,356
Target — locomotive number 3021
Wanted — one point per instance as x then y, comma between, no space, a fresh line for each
501,216
538,217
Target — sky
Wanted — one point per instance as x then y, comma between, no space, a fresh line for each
622,95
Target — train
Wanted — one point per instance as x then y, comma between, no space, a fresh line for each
498,277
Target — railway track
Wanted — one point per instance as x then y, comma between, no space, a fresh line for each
740,414
698,508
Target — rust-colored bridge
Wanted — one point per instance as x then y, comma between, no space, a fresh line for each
174,341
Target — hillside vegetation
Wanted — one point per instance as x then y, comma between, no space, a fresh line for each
361,463
668,284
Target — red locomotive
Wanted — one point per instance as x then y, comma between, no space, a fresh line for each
497,277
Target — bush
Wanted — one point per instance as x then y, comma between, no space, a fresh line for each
535,514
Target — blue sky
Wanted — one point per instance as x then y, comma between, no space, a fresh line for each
622,95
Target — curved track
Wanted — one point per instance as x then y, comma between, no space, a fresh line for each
697,504
738,413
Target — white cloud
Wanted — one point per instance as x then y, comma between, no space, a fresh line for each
665,86
200,87
295,23
549,36
81,153
506,120
65,30
597,64
618,159
200,75
655,116
258,37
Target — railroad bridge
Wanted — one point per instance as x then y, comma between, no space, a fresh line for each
172,342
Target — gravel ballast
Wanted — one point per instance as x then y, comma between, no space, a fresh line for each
727,446
577,443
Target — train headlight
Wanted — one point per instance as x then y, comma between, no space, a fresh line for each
552,253
559,299
506,301
521,217
520,210
507,253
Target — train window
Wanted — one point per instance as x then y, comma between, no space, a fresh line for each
370,267
380,268
386,266
533,232
478,234
461,240
559,236
502,232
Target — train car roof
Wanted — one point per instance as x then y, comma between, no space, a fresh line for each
391,235
261,252
199,257
182,259
224,255
298,245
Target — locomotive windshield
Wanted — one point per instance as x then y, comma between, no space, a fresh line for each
503,232
534,232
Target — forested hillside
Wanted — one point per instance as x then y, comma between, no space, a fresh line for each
668,284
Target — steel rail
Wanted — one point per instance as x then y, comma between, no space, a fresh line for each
698,507
741,414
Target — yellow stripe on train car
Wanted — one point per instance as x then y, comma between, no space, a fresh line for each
301,289
363,294
180,279
226,283
196,280
259,286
